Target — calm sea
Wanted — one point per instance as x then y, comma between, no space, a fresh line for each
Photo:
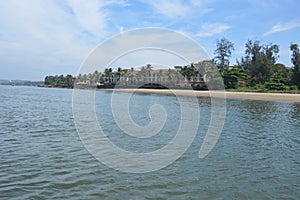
42,156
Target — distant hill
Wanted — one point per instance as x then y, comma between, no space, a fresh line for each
21,82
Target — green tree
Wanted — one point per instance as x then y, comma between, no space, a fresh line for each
189,71
148,69
79,78
223,53
108,73
282,73
259,61
171,77
96,77
142,74
118,74
145,73
160,76
235,77
50,80
280,79
84,78
296,62
59,81
69,81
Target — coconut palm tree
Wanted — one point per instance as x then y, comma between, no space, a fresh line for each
108,74
148,69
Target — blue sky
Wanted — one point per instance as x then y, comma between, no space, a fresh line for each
46,37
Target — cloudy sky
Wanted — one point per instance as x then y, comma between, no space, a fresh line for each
48,37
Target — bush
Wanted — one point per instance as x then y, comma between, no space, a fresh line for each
275,86
230,82
293,87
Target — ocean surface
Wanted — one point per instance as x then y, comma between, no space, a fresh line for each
42,156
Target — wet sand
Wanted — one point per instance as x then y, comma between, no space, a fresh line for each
279,97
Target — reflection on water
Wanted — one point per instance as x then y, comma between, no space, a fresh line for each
257,156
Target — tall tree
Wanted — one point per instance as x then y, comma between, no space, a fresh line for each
189,71
69,81
223,53
296,62
60,81
148,69
260,61
237,76
108,73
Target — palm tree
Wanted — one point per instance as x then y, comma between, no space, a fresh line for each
108,74
172,76
148,69
143,73
186,73
130,75
160,75
194,71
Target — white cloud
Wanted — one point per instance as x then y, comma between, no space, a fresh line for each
50,35
177,8
90,15
141,46
208,30
121,29
123,3
169,8
282,27
201,2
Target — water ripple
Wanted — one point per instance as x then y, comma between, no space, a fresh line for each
41,156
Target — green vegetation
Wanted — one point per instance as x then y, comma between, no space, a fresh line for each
93,78
20,82
296,62
223,53
256,71
189,71
59,81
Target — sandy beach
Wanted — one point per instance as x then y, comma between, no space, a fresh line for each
279,97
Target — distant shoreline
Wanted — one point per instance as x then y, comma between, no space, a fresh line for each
260,96
277,97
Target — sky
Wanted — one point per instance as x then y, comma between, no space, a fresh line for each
49,37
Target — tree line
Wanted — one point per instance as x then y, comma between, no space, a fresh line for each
258,68
59,81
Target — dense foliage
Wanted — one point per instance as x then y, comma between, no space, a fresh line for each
223,53
296,62
257,70
59,81
20,82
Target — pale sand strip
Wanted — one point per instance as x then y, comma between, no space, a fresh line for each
281,97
